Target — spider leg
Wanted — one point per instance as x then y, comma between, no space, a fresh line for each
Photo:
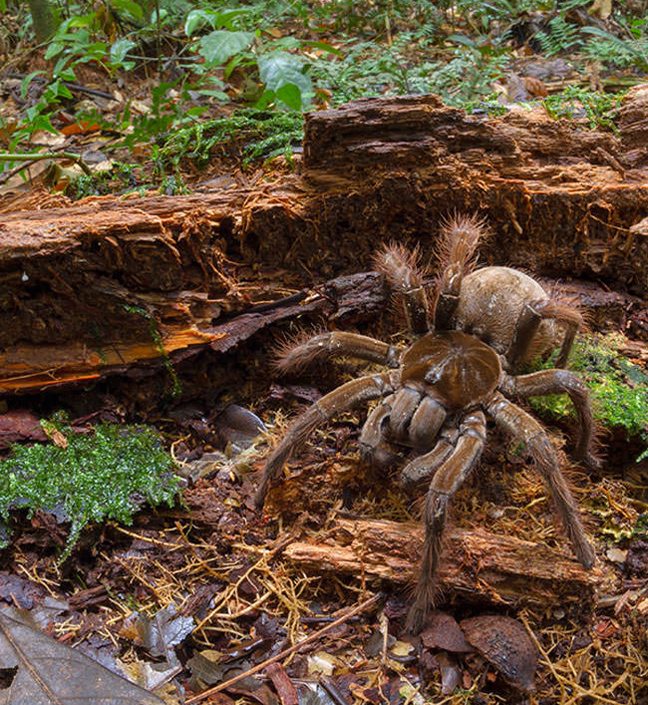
523,426
294,357
344,398
561,382
459,239
527,324
445,482
404,275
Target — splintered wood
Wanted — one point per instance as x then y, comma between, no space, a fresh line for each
97,287
476,565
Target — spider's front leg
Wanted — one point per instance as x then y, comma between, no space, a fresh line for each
459,239
344,398
545,382
405,277
293,356
445,482
523,426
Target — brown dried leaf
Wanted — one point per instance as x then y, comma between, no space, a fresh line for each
49,672
20,425
443,632
504,642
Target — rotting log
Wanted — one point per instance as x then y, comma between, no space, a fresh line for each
477,565
93,288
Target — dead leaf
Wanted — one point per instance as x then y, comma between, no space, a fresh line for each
49,672
166,630
20,425
443,632
505,644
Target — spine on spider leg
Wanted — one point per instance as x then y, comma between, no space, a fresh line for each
405,276
456,250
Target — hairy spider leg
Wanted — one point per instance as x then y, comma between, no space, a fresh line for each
546,382
521,425
294,357
445,482
401,267
344,398
459,239
527,324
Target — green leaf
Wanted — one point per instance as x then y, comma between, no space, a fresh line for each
290,95
196,19
461,39
278,69
54,49
24,84
130,7
119,49
218,46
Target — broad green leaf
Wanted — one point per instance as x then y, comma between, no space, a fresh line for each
132,8
120,48
219,45
54,49
290,95
277,69
196,19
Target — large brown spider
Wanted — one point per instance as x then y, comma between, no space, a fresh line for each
460,369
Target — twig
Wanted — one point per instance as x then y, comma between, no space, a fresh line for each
37,157
286,652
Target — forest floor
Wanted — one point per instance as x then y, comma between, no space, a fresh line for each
202,602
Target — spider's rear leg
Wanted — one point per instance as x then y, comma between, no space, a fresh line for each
293,355
447,479
561,382
524,427
344,398
532,314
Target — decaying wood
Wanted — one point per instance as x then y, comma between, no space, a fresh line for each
477,565
91,288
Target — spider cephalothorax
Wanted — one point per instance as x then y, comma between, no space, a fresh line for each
459,370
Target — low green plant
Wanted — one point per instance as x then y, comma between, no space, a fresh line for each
601,109
247,134
618,387
106,475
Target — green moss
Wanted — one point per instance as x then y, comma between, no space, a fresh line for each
619,388
106,475
247,134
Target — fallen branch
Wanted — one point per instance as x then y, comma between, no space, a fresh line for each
477,565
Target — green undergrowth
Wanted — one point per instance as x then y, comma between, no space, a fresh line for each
247,134
108,474
618,387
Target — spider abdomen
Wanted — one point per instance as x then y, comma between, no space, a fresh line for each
452,367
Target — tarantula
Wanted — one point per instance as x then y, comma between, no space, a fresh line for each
460,369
